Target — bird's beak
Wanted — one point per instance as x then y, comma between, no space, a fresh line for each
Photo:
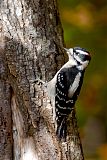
66,49
69,51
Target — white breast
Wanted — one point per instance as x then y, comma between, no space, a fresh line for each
74,86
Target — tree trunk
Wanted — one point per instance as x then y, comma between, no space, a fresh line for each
31,48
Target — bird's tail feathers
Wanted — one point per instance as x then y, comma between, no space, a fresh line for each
61,130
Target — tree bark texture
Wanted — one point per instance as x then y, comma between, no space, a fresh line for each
31,48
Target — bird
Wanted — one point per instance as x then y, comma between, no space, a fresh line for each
65,87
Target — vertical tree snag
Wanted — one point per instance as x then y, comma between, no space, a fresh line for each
31,48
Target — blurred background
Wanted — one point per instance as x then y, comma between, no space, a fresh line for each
85,24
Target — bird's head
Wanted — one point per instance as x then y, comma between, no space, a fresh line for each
80,55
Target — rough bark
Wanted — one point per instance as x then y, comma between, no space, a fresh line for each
31,48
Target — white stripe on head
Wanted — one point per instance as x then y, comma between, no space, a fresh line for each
78,59
82,52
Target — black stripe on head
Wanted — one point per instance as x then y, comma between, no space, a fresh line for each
79,48
84,57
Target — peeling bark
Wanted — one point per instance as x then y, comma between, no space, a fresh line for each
31,48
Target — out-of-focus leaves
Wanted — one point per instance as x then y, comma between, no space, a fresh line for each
80,110
102,151
81,17
90,95
102,16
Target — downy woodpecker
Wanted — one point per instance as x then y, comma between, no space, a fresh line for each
65,87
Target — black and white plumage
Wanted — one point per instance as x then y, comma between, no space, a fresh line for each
65,87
